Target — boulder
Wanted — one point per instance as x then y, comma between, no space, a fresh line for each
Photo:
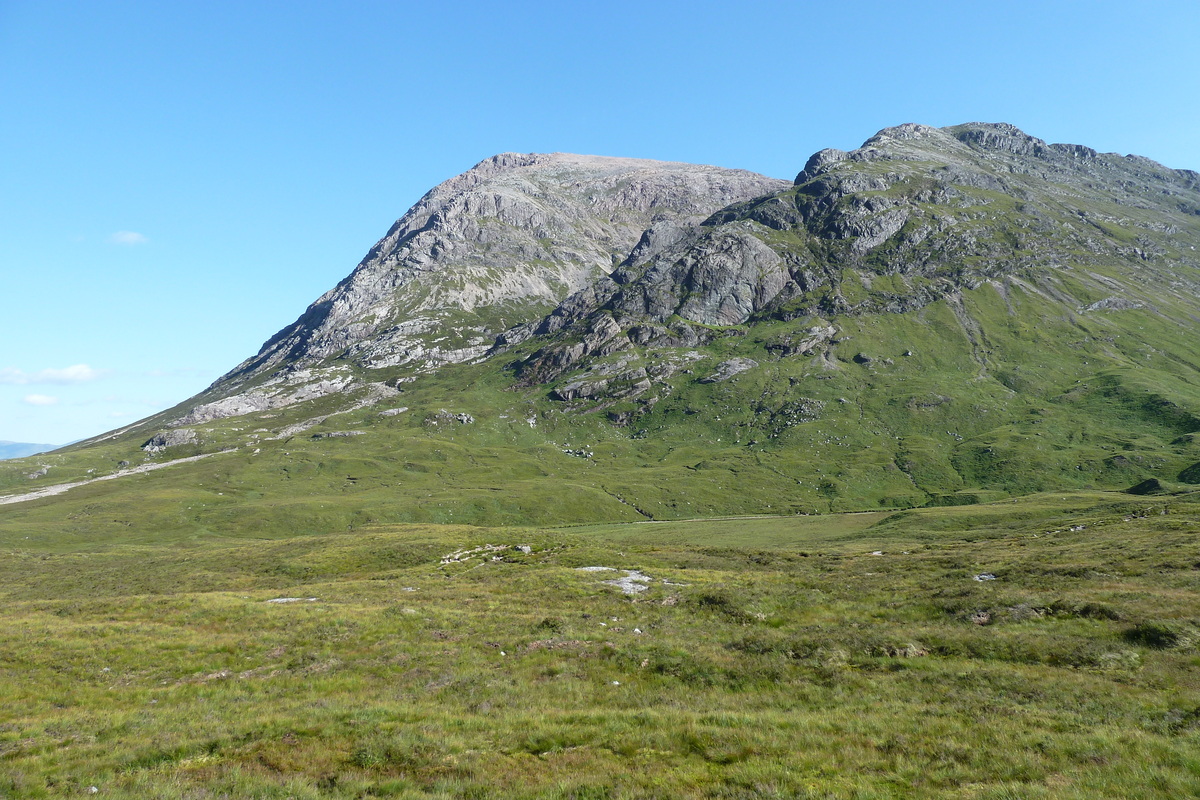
172,438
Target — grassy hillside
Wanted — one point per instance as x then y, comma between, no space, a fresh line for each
998,393
837,656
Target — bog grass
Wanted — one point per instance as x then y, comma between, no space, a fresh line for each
832,656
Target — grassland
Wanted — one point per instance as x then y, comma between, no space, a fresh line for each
830,656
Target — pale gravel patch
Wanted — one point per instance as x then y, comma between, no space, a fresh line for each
60,488
634,581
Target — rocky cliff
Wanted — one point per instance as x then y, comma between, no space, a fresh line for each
496,246
915,215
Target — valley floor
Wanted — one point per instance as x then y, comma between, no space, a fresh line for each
1039,648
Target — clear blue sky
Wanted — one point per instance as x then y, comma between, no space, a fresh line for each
180,180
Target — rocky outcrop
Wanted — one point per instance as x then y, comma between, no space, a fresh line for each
914,215
172,438
617,380
444,417
727,369
284,389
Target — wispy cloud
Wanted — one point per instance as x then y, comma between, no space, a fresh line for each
127,237
40,400
77,373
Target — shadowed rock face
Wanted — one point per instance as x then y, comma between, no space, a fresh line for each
494,247
931,210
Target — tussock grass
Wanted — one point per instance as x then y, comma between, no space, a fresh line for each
770,657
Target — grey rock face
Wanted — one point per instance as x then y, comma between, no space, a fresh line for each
924,212
492,248
284,389
719,279
727,369
171,438
611,380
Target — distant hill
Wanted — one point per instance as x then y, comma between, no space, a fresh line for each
22,449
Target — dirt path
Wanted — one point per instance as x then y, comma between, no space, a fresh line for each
59,488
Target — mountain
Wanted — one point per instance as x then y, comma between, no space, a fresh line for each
22,449
942,316
915,216
498,245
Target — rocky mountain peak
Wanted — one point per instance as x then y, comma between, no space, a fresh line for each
933,210
496,246
491,247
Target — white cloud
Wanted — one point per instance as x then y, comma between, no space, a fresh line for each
40,400
127,237
76,373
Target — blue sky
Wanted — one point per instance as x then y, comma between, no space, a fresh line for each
180,180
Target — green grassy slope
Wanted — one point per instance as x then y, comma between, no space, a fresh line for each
1002,394
839,656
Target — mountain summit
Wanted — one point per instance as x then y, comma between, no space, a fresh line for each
915,215
496,246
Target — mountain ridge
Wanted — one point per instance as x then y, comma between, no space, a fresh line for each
22,449
514,233
724,272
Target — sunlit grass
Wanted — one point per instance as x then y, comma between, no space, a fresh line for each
774,657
